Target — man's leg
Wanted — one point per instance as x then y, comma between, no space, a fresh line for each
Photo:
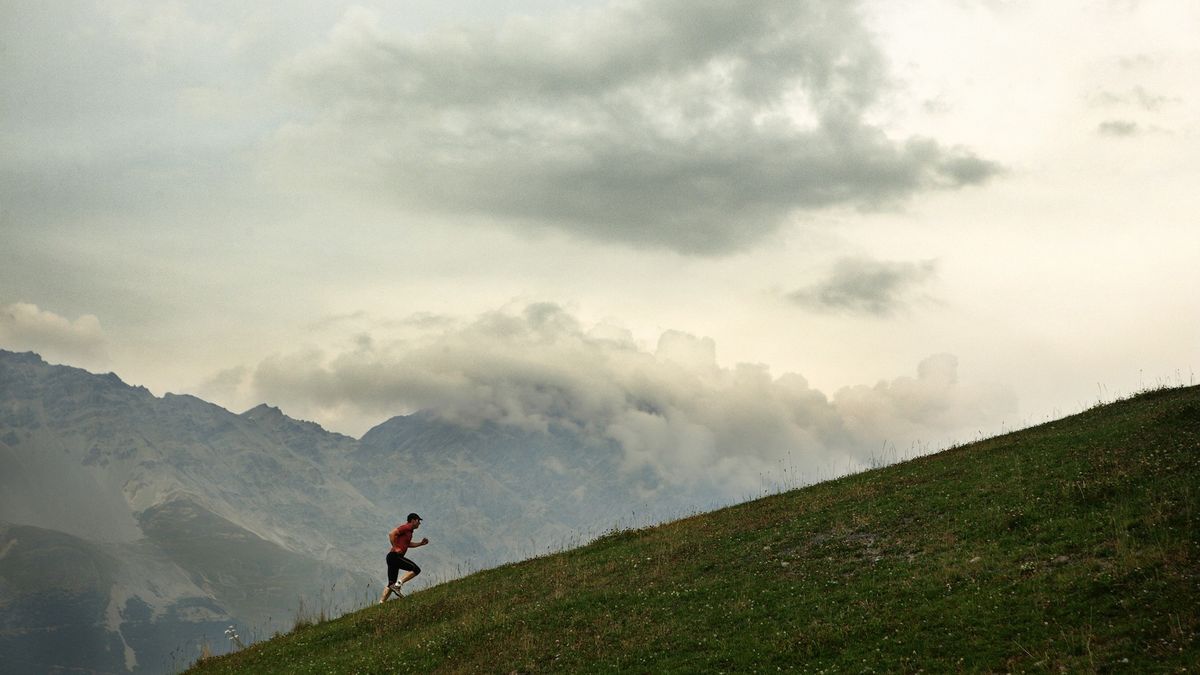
409,566
393,565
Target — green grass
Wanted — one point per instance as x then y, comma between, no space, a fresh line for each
1068,547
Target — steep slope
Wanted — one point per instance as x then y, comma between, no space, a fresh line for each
1067,547
55,594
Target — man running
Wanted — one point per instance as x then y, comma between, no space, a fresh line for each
401,539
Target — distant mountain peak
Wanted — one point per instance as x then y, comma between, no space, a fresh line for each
273,415
112,378
262,410
31,358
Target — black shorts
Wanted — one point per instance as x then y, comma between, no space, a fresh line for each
397,562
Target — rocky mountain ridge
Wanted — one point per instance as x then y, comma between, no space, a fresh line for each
192,517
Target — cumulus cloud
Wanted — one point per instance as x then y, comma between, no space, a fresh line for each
910,407
866,287
693,126
672,409
25,327
228,388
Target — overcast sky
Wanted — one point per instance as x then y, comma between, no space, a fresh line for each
922,219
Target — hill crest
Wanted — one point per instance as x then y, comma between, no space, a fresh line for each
1068,546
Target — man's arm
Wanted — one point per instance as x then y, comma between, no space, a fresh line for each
415,544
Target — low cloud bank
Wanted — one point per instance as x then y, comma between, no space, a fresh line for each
673,409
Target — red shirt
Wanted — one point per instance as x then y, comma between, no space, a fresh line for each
401,537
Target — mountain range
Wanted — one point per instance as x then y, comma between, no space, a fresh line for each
135,529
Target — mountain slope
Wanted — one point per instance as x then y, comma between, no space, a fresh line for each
55,593
1070,546
201,517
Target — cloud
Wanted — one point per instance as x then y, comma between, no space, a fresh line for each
1137,97
866,287
228,388
25,327
696,127
911,407
672,409
1118,128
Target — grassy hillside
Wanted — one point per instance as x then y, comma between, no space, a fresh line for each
1070,546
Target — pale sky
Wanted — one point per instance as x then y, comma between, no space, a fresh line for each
355,210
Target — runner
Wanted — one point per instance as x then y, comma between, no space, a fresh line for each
401,539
